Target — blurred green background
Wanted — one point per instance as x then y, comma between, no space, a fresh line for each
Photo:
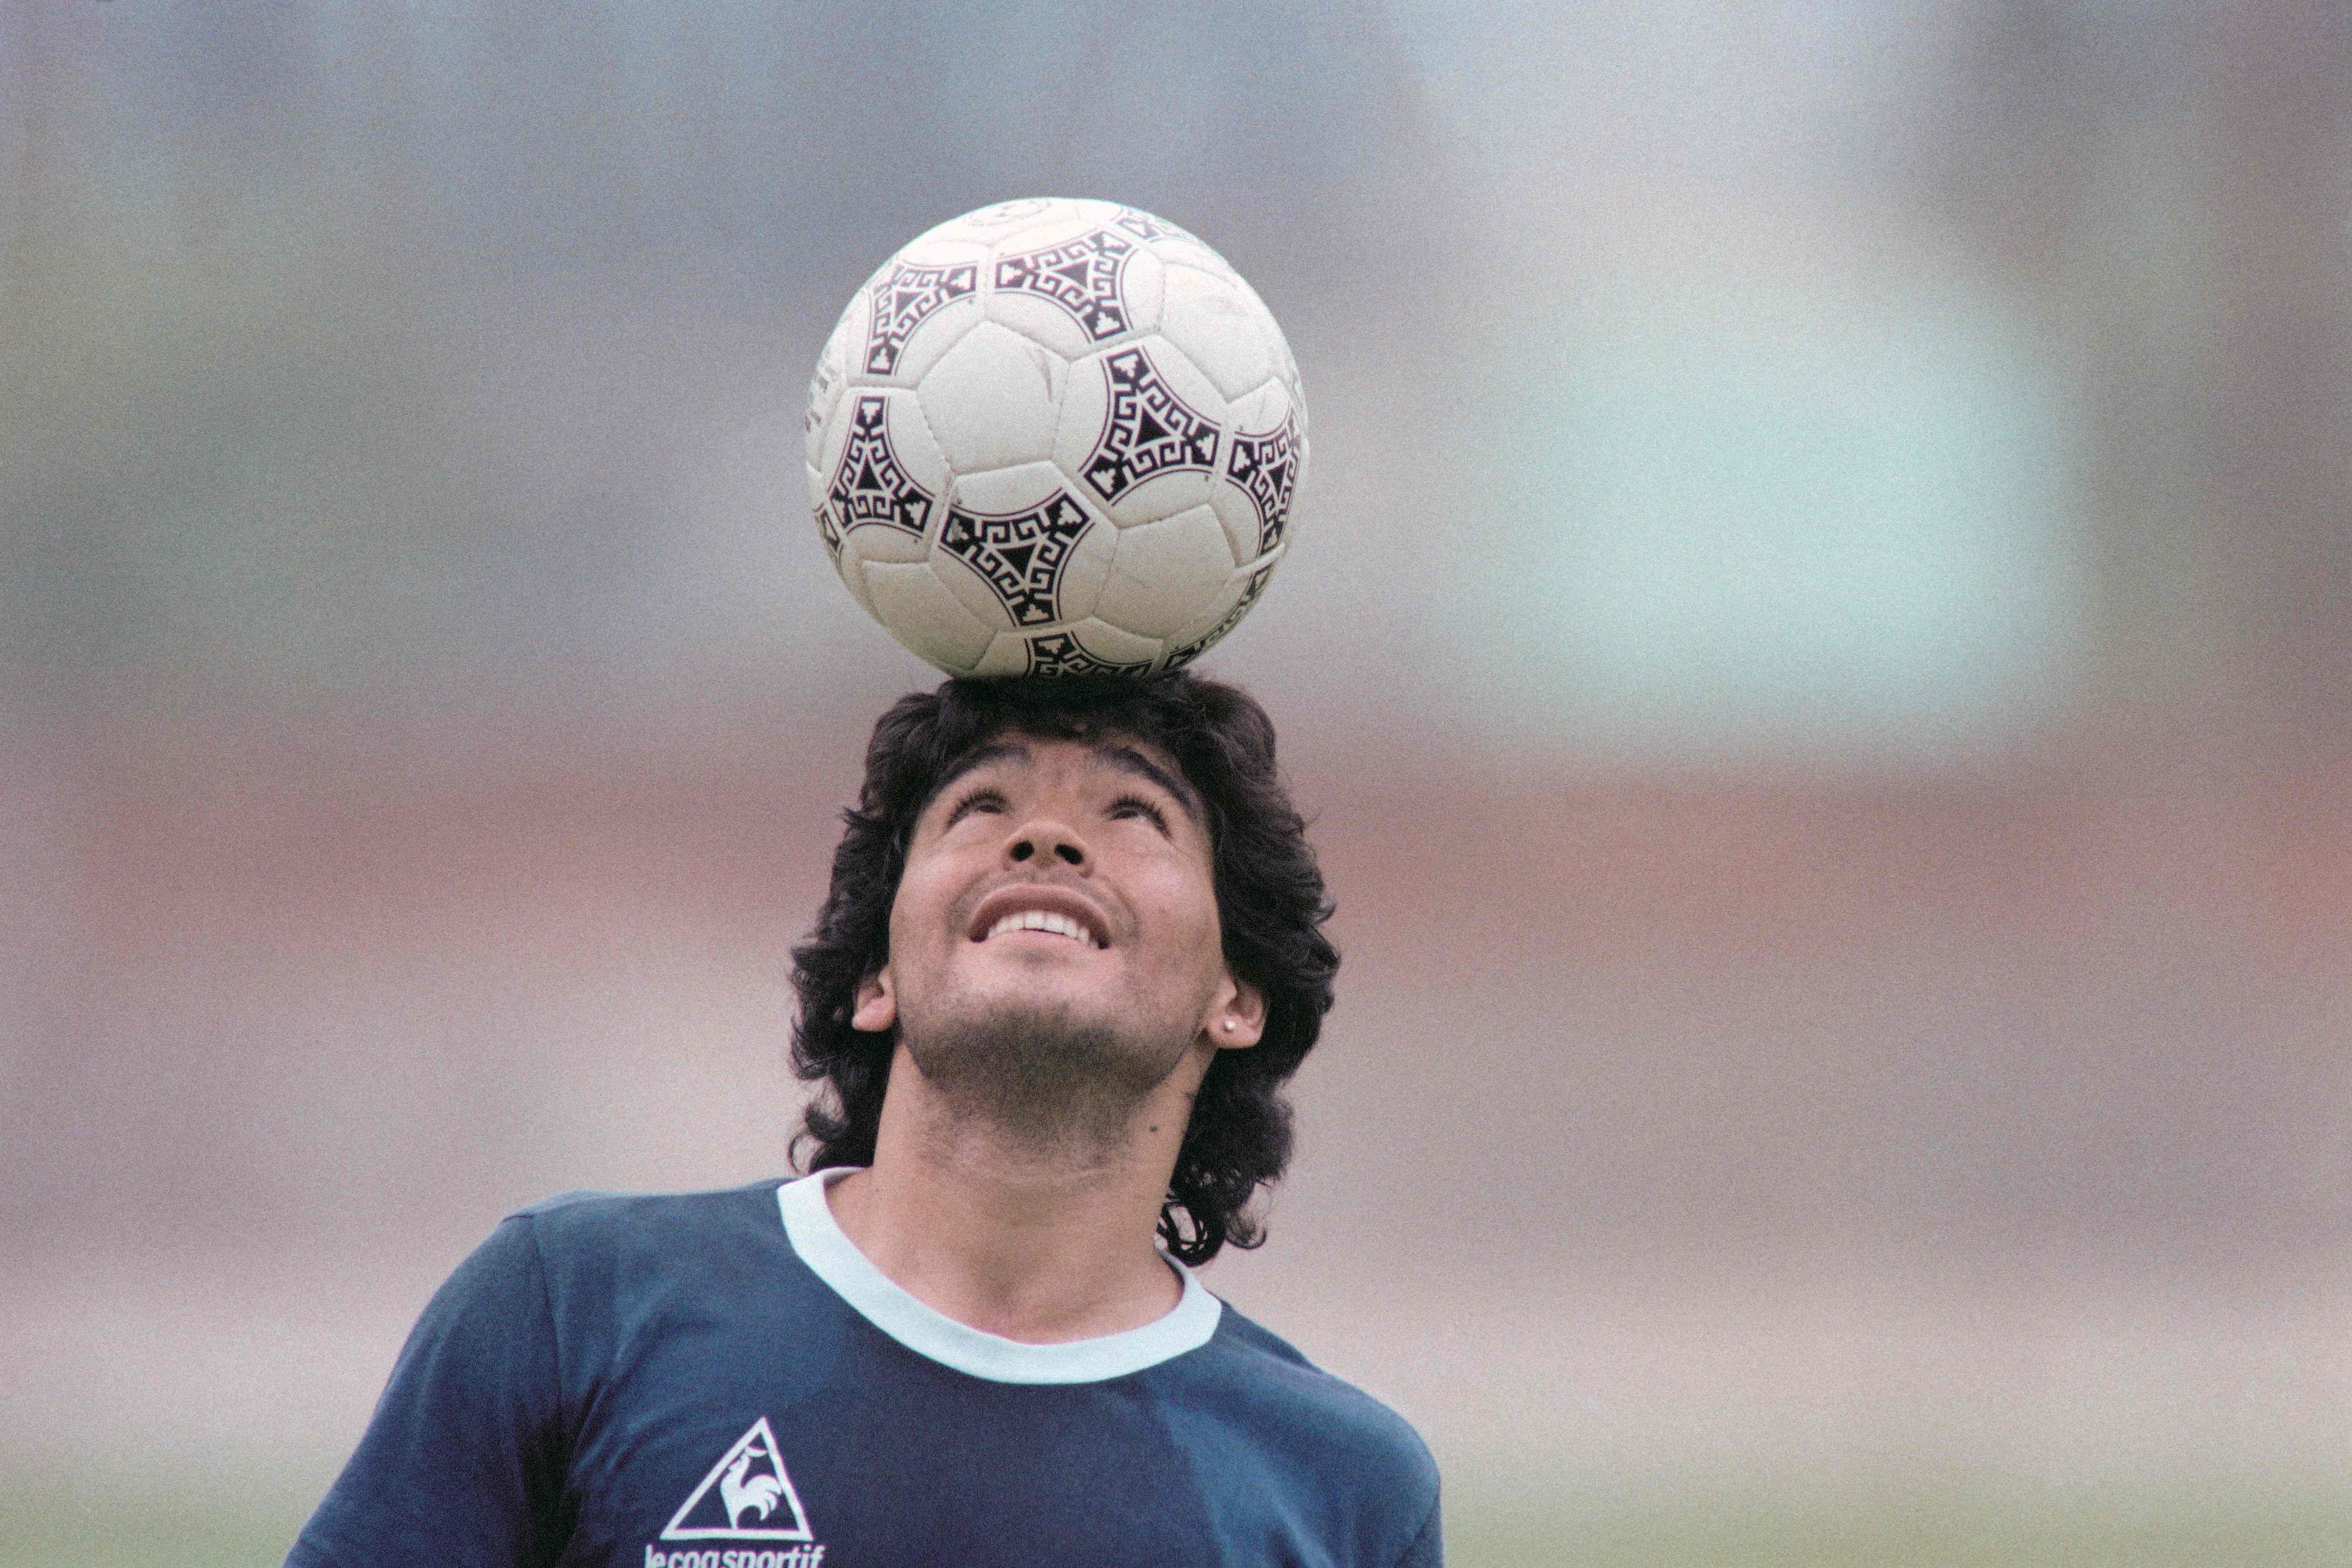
1897,1523
1816,648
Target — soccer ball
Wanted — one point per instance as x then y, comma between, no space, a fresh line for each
1055,437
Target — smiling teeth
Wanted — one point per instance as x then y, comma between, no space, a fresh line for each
1042,920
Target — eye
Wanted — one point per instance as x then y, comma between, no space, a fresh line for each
1129,805
977,801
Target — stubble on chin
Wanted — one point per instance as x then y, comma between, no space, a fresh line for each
1040,1081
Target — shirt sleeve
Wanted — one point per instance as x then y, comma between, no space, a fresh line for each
1428,1548
463,1463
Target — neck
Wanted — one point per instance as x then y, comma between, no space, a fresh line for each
1041,1244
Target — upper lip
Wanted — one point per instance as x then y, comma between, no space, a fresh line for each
1017,897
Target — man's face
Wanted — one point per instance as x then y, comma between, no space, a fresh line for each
1060,890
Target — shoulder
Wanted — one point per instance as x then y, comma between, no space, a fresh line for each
590,1246
1333,1406
604,1219
1315,1436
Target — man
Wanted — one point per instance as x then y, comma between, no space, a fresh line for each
1071,953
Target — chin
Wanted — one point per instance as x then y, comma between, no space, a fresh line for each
1041,1071
1044,1010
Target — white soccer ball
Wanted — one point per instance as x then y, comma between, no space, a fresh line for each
1055,437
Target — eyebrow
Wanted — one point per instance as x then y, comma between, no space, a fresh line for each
1126,759
978,757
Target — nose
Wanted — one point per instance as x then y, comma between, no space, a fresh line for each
1046,841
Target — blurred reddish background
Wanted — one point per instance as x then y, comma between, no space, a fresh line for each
1816,648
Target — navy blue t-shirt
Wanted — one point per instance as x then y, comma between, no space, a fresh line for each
721,1380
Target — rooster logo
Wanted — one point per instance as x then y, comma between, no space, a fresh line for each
747,1496
756,1497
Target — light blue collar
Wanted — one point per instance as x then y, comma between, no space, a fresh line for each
819,1239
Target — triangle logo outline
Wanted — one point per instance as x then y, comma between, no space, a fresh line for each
759,1441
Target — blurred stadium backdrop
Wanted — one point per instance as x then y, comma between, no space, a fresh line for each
1818,645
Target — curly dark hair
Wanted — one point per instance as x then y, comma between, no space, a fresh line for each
1271,906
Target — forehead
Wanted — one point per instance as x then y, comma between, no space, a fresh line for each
1125,755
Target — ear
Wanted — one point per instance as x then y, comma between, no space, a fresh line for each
877,1007
1239,1019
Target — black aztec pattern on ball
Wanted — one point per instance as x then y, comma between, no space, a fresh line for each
1147,430
905,301
1019,555
820,397
1143,226
1232,618
1265,466
1061,653
1082,277
868,485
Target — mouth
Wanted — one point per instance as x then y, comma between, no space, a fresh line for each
1042,921
1020,912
